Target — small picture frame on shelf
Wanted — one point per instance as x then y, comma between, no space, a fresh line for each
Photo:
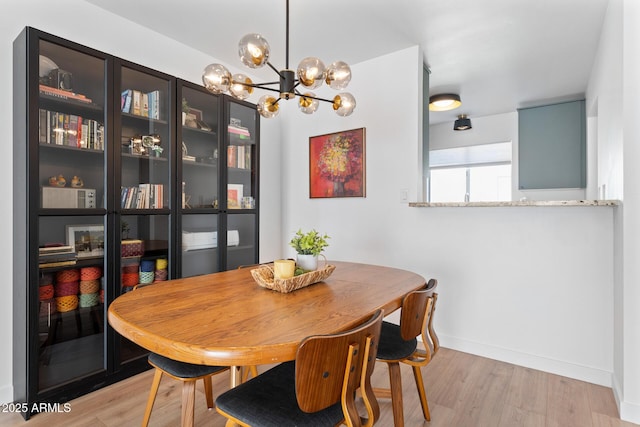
234,196
86,239
135,146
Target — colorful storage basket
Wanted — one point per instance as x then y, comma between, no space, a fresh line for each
67,288
132,248
67,303
46,292
90,273
71,275
130,279
88,300
89,286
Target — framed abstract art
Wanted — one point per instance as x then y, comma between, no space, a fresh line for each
337,164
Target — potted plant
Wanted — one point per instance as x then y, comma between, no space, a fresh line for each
308,246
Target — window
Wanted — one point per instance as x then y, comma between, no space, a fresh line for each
471,174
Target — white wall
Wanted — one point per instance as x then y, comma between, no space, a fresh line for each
612,102
630,405
526,285
83,23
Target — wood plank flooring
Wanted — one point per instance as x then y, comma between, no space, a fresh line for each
463,390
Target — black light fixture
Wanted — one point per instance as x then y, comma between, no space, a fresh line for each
311,72
463,123
444,102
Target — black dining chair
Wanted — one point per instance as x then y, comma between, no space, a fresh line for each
317,389
188,373
399,344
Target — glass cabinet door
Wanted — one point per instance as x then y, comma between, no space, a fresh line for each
144,260
199,181
71,299
71,128
241,161
145,140
71,162
143,164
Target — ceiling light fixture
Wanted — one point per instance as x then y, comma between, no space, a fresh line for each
444,102
254,53
463,123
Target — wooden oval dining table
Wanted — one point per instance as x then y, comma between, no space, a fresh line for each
227,319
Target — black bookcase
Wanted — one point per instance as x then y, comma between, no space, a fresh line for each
112,190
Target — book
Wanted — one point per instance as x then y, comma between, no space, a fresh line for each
57,263
136,103
55,249
126,101
63,94
144,104
232,156
72,131
154,104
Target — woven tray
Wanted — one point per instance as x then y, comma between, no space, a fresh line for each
264,276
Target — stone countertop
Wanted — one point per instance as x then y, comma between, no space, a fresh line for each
540,203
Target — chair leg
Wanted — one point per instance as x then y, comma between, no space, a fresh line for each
188,403
417,375
208,391
253,370
152,397
395,380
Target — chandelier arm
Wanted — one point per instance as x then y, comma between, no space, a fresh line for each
274,68
266,88
257,85
314,97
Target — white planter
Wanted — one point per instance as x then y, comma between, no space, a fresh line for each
307,262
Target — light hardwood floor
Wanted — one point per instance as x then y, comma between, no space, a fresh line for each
463,390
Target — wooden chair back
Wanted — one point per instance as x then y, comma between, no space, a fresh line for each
330,368
416,311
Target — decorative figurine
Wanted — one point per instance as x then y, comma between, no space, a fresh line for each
76,182
57,181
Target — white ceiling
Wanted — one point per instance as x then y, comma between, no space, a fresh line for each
497,54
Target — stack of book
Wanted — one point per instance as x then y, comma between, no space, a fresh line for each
63,94
144,196
139,103
56,256
239,156
239,132
70,130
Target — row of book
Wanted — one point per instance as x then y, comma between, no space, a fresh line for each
239,156
56,256
140,103
238,131
63,94
70,130
143,196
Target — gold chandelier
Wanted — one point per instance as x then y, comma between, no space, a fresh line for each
254,52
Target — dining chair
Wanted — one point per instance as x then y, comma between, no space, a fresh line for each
317,388
188,373
399,344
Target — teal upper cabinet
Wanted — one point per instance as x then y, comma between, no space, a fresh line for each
552,146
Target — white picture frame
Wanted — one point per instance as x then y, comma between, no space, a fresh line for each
86,239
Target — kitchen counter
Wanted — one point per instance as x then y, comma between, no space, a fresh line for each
541,203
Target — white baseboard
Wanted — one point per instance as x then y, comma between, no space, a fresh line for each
628,411
558,367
